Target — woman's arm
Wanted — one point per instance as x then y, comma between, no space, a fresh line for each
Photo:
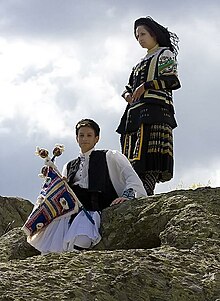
127,93
167,73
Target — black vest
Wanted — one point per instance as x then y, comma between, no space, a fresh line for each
100,192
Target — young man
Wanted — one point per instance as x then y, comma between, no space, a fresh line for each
99,178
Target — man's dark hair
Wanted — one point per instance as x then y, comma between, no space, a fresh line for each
90,123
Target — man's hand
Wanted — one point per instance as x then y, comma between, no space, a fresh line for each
118,201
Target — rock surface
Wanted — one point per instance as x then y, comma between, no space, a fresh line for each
13,212
163,248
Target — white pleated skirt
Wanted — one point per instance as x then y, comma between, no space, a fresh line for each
59,236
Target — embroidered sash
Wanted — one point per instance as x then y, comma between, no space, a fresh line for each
56,199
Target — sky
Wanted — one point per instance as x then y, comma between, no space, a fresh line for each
64,60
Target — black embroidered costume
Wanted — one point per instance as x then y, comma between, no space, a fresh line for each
146,125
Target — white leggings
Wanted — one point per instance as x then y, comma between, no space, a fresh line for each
83,241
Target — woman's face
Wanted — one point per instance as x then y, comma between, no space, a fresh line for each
144,38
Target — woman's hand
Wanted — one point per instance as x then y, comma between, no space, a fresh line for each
128,97
138,92
118,201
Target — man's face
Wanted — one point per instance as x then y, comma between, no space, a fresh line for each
86,138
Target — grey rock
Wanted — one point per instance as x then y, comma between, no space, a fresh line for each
163,248
13,245
13,213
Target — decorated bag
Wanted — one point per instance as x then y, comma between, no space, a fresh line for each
55,199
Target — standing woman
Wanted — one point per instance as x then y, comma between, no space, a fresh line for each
147,123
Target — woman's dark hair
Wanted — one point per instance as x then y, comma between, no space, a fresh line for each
163,37
90,123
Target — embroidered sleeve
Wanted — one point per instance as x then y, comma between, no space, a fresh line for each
129,194
167,73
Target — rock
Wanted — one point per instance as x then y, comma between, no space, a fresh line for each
180,219
162,274
13,212
13,245
163,248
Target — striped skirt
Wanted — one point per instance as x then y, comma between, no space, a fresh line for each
150,151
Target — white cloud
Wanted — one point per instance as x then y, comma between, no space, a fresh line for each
60,63
30,87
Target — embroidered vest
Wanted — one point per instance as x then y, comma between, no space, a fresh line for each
100,192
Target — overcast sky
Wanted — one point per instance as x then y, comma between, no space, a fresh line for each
63,60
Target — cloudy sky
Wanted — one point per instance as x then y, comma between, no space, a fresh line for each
63,60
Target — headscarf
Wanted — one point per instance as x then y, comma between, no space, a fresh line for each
164,37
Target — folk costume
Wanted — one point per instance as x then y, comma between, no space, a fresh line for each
146,125
97,178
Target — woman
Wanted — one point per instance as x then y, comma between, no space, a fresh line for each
147,123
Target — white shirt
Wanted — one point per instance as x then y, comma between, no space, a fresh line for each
121,173
81,177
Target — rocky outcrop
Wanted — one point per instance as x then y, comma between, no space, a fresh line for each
13,245
163,248
13,212
180,219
